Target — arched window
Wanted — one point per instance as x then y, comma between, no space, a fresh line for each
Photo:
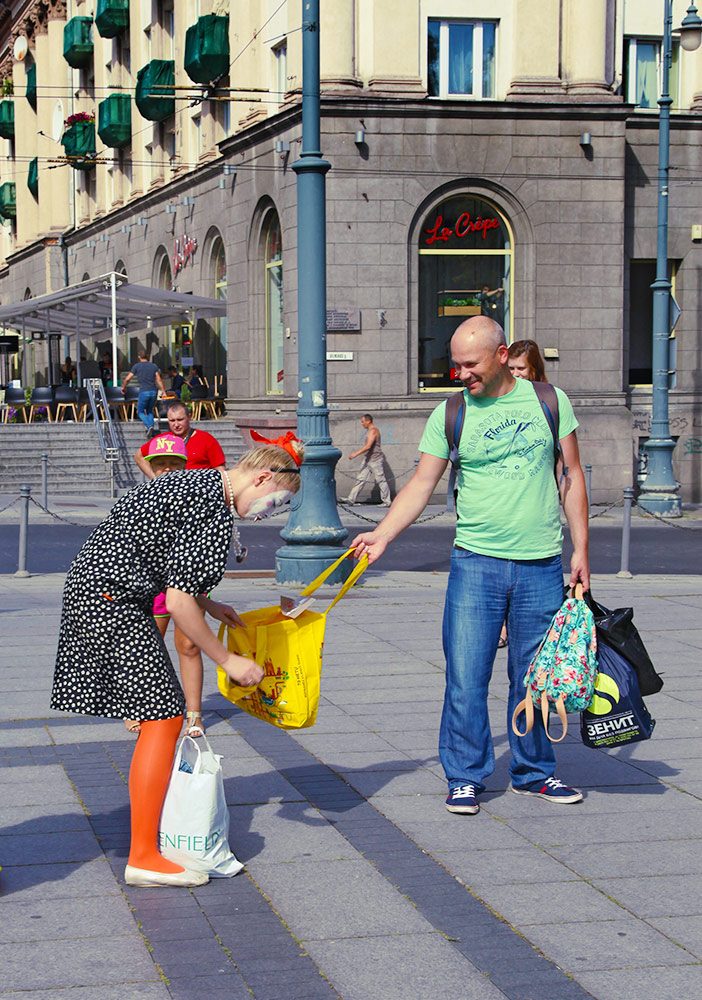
275,328
219,282
465,269
163,344
120,268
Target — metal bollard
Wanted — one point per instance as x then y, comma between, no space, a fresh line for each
45,480
588,487
25,493
626,533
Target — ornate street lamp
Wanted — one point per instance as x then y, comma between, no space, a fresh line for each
314,534
660,490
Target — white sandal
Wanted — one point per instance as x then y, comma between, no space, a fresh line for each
194,728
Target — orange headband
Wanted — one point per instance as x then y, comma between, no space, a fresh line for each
284,442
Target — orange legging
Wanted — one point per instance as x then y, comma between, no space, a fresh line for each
149,775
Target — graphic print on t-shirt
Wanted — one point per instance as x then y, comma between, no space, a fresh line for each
509,445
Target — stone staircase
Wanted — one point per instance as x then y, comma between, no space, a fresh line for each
75,466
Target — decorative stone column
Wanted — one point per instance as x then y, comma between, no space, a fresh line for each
587,35
338,47
394,50
537,51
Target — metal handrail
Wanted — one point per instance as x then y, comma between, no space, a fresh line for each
102,420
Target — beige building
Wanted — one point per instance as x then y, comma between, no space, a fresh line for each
487,156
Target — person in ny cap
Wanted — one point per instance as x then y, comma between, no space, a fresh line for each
203,449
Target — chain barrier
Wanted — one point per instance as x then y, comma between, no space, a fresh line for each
606,510
8,505
371,520
665,520
57,517
354,476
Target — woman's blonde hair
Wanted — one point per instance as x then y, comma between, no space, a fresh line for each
278,461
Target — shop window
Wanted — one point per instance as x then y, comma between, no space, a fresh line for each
465,269
643,72
642,274
461,59
275,330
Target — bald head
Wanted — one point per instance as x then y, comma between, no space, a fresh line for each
479,353
482,332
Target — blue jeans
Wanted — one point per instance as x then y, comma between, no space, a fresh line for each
482,593
145,408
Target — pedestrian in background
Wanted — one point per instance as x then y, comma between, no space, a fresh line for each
525,361
373,467
506,562
150,384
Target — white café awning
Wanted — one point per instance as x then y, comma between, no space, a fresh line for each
107,305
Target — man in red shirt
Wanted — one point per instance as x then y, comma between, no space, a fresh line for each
203,450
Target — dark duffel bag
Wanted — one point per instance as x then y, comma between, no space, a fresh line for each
617,629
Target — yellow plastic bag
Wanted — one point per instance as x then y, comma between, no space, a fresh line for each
290,652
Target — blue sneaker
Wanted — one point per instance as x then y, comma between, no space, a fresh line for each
463,800
551,789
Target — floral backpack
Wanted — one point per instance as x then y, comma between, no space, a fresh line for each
561,677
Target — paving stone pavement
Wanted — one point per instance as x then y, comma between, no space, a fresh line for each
358,884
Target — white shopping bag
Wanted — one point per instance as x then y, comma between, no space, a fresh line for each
194,827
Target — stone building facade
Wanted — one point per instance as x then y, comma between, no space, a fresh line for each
504,162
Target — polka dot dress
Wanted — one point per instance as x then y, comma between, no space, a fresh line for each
174,531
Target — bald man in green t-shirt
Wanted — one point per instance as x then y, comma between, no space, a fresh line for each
506,562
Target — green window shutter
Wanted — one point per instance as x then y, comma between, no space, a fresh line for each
155,96
33,177
8,200
115,120
112,17
78,41
78,142
7,119
207,48
31,92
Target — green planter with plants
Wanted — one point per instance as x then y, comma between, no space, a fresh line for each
115,120
8,200
207,48
33,177
112,17
78,140
455,304
31,91
7,119
78,42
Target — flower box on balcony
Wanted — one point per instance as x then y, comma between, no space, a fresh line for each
78,141
7,119
115,120
112,17
8,200
31,91
207,48
33,177
155,94
78,41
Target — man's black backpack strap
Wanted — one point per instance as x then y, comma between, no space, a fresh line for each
548,397
453,427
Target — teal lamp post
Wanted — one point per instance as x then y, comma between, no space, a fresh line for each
660,490
314,533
